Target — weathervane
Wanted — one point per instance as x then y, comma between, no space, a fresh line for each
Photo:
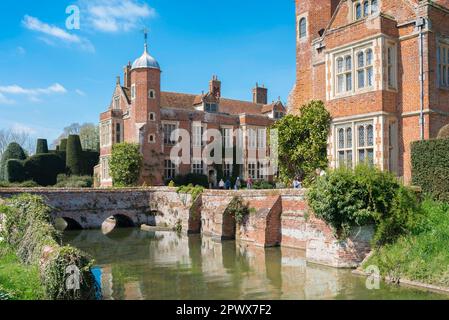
145,33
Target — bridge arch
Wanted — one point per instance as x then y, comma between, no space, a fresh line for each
67,224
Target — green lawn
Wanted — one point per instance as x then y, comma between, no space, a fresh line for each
422,256
17,281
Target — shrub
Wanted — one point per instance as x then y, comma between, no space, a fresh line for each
192,178
430,167
63,145
15,171
44,168
13,152
64,181
238,209
90,160
41,146
345,198
263,185
28,230
25,184
74,156
195,191
125,164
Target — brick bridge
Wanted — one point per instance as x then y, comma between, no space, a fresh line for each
279,217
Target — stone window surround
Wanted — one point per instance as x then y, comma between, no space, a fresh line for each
228,141
391,85
352,52
106,137
354,125
116,103
133,91
105,174
163,123
198,166
152,94
299,18
152,116
151,138
195,126
442,65
170,166
364,15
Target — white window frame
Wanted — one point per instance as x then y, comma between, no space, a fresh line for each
262,138
152,116
345,73
170,167
198,130
228,137
367,8
443,65
167,140
392,66
364,67
106,133
151,140
352,148
298,29
197,167
252,138
133,91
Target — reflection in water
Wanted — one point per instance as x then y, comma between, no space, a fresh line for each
163,265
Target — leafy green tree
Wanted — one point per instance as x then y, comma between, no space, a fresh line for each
74,156
13,152
303,142
125,164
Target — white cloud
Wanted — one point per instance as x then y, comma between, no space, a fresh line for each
5,100
22,128
33,95
80,92
116,15
56,33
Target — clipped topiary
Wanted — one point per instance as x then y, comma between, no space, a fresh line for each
44,168
63,145
41,146
13,151
74,157
15,171
90,160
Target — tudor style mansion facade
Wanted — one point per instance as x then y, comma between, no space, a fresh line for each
382,69
140,112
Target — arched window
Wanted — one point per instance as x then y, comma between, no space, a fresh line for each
374,7
341,138
302,28
358,11
370,135
366,9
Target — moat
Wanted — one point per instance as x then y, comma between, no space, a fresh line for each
162,265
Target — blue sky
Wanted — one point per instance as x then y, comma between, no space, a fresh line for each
51,76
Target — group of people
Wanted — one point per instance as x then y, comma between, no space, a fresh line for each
228,184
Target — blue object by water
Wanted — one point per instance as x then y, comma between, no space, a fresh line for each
97,272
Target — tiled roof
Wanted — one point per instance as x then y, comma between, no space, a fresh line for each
230,106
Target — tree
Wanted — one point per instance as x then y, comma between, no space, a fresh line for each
90,137
42,146
74,155
24,139
13,152
88,132
125,164
303,142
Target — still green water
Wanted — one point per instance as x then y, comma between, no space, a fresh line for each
162,265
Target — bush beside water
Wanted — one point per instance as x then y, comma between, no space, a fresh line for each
27,230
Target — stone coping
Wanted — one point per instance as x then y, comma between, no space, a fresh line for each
244,193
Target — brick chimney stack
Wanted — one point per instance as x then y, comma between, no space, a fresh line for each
127,76
260,94
215,87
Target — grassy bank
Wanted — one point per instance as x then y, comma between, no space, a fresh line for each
422,255
17,281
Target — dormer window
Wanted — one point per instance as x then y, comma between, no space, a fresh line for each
211,107
278,115
363,9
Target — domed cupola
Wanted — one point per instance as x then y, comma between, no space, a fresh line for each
146,61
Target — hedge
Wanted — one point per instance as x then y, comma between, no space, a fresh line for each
15,171
41,146
28,230
90,160
44,168
63,145
430,167
74,158
193,179
13,151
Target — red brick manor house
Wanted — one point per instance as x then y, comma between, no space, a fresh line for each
382,69
140,112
